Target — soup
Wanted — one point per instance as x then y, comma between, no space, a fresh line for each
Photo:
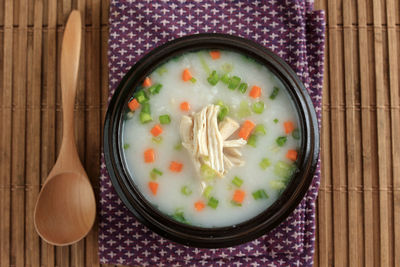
211,138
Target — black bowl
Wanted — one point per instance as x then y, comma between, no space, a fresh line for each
221,236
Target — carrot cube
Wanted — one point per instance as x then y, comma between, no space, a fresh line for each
238,196
133,104
199,205
147,82
215,54
149,155
246,129
289,127
291,154
185,106
255,92
175,166
156,130
153,186
186,75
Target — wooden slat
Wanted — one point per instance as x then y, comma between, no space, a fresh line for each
5,142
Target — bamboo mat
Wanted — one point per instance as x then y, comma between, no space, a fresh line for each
358,217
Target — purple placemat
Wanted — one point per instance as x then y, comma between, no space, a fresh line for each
293,31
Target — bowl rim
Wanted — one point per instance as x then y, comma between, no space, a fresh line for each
219,236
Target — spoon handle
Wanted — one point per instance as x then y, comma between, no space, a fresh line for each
70,52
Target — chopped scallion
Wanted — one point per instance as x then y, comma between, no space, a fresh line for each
260,130
234,82
274,93
165,119
260,194
179,216
234,203
204,63
213,202
126,146
193,80
244,110
213,78
243,87
207,172
276,120
146,108
145,117
157,140
237,181
155,88
252,141
178,146
296,134
284,170
141,97
225,78
265,163
161,70
207,191
277,184
227,67
258,107
186,190
154,173
157,171
281,140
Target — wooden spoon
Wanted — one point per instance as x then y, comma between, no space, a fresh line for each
66,208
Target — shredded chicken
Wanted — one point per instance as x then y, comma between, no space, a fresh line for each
207,143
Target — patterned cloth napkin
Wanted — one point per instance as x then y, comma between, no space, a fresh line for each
292,30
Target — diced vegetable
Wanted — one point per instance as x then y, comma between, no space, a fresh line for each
141,97
260,130
147,82
126,146
246,129
161,70
258,107
165,119
243,88
276,120
260,194
274,93
255,92
145,117
213,202
178,146
185,106
213,78
149,155
146,108
155,89
238,196
175,166
157,140
244,109
207,191
207,172
179,216
199,205
234,203
223,111
265,163
186,190
277,184
204,63
154,173
156,130
227,67
291,154
157,171
237,181
281,140
289,127
186,75
234,82
225,78
296,134
252,141
133,104
284,170
153,186
215,54
193,80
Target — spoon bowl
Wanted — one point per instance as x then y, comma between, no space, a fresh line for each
66,207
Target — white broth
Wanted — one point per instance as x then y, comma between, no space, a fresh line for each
269,158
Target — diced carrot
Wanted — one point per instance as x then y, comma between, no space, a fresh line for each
255,92
153,187
175,166
291,154
186,75
238,196
149,155
215,54
133,104
156,130
147,82
185,106
289,127
199,205
246,129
